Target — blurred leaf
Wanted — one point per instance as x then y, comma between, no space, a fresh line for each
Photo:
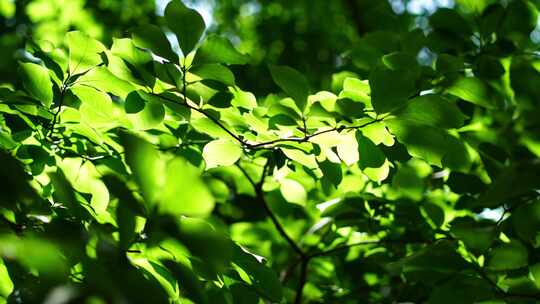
190,286
477,236
508,256
36,254
183,192
145,164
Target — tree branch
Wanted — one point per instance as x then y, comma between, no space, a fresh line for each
265,144
302,281
368,242
260,196
310,136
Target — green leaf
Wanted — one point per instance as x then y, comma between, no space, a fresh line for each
332,172
37,82
432,263
84,52
187,24
293,191
526,221
390,89
433,110
184,193
143,114
357,90
214,71
371,156
449,21
146,166
408,183
462,289
301,157
262,278
221,152
35,253
217,49
212,249
433,145
243,99
96,107
103,79
477,236
475,91
151,37
474,6
520,17
511,183
6,284
508,256
190,286
125,49
293,83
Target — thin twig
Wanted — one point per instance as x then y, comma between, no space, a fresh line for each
52,125
260,196
286,274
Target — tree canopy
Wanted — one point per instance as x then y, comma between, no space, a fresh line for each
250,152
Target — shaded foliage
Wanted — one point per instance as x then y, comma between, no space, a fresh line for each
136,171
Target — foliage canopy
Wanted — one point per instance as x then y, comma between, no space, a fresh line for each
136,167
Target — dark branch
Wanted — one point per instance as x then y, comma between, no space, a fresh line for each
52,124
265,144
302,281
310,136
260,195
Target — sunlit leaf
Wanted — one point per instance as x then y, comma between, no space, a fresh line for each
84,52
221,153
37,82
293,191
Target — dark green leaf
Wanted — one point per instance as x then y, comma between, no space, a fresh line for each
151,37
293,83
508,256
187,24
390,89
217,49
433,110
